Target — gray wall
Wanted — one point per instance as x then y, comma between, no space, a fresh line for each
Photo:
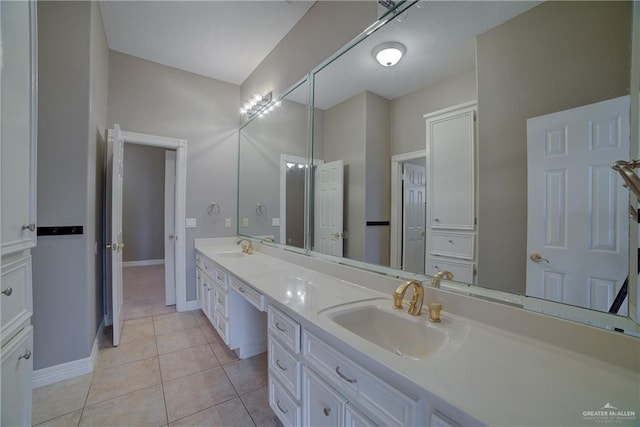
378,178
554,57
72,97
143,203
324,29
344,139
408,130
155,99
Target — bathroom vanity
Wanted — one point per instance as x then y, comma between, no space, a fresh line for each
339,354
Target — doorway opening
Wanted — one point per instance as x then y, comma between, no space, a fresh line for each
174,222
147,224
408,211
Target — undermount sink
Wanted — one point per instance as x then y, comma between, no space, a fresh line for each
395,330
231,254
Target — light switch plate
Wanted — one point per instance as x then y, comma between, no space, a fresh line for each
275,222
227,222
191,223
245,222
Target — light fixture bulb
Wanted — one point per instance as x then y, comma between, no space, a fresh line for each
388,54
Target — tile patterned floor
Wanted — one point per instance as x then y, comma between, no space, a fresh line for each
169,370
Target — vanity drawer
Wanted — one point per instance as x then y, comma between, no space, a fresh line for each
285,328
288,410
247,292
221,301
455,245
16,305
285,367
462,271
387,405
222,326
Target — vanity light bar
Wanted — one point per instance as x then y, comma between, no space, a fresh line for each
259,104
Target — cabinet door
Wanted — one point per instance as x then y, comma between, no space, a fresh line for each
450,157
18,127
17,368
321,404
355,418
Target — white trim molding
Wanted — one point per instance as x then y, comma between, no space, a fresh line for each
192,305
143,263
68,370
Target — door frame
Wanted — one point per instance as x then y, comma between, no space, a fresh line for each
180,145
396,203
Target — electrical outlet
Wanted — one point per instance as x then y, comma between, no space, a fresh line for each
190,223
275,222
245,222
227,222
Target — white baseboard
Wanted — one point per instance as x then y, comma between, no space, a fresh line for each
191,305
143,263
65,371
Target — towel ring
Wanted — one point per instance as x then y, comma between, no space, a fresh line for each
261,209
213,209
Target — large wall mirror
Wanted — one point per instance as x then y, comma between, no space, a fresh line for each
485,150
272,170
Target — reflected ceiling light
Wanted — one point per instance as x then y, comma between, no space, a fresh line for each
388,54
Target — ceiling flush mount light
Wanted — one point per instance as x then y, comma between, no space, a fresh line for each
388,54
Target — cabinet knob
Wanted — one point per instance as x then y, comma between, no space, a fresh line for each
8,291
30,227
25,356
326,411
436,219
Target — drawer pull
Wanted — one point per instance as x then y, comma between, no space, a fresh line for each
219,301
344,377
280,328
25,356
284,411
326,411
8,291
241,289
284,368
451,241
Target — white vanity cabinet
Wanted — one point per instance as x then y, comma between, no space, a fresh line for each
18,207
451,191
235,309
316,385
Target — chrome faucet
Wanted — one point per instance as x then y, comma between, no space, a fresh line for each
415,305
247,249
435,281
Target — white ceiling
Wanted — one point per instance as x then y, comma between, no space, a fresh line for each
440,41
224,40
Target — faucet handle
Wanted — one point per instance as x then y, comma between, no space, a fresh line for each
434,312
397,300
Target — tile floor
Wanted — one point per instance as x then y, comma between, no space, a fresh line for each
169,370
144,292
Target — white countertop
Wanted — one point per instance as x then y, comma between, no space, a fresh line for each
494,376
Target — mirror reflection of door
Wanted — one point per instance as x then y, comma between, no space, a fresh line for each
294,225
328,208
413,215
577,240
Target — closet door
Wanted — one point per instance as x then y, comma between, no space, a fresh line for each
18,125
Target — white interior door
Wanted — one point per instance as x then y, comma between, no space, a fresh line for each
170,227
116,244
577,208
413,218
328,208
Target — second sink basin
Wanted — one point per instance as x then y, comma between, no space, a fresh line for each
396,331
